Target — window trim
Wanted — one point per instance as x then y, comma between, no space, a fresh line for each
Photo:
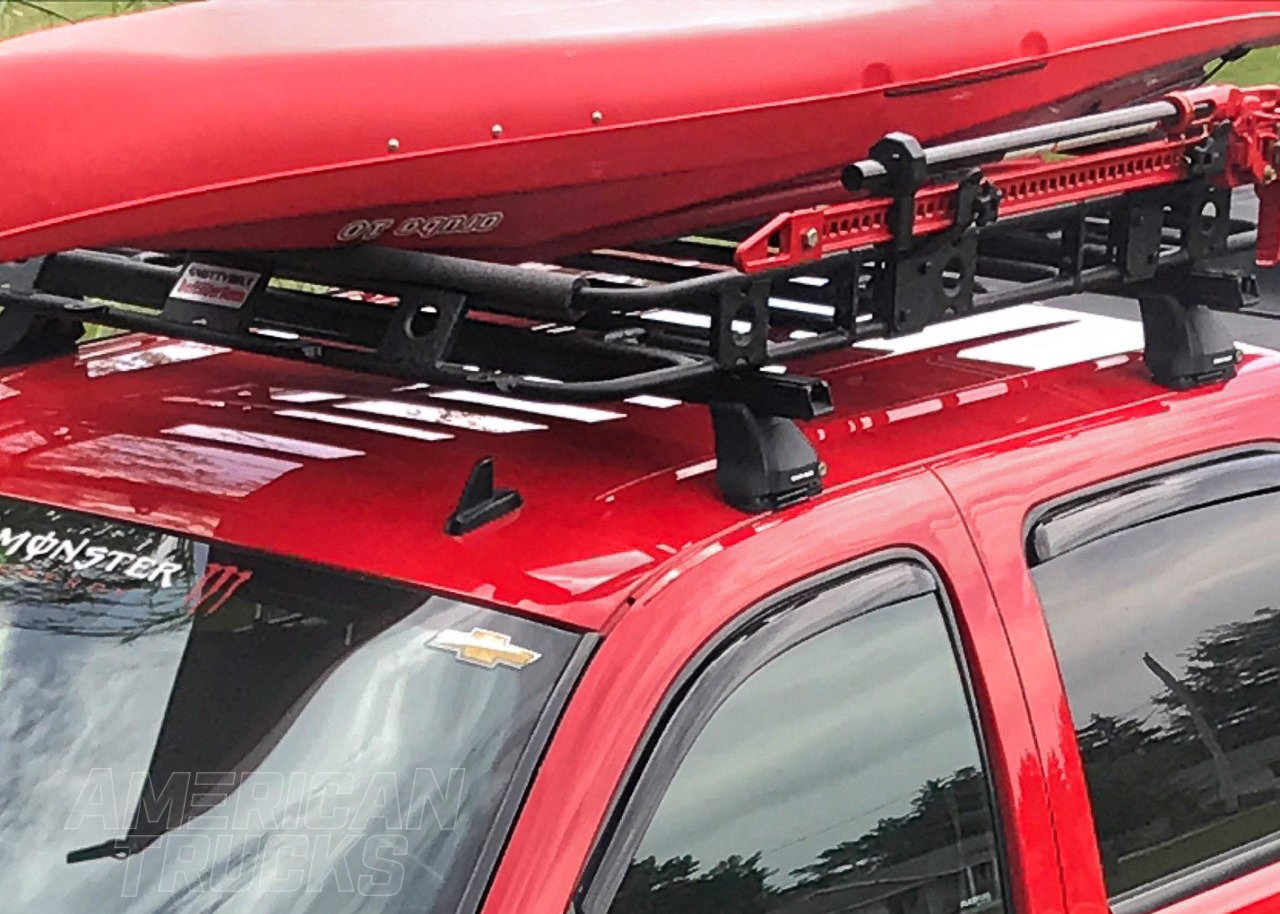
531,754
1203,877
1169,505
798,612
1242,861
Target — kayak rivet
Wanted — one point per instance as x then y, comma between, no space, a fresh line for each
393,144
496,130
597,117
810,238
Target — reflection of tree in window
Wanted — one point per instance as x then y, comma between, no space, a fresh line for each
1152,781
1233,673
890,869
842,776
1168,639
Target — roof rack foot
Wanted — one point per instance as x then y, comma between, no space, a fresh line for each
1186,344
24,334
763,463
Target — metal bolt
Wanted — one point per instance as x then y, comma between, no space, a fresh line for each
597,117
496,130
809,239
393,144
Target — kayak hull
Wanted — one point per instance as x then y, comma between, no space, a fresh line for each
179,129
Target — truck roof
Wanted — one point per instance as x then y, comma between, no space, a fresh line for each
360,472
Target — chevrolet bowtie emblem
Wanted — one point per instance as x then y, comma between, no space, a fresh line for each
484,648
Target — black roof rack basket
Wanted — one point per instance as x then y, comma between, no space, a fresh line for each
599,326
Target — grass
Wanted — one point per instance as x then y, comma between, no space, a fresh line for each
18,16
1259,68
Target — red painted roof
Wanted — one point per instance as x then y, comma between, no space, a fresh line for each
613,494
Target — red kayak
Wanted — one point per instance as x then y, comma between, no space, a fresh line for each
512,129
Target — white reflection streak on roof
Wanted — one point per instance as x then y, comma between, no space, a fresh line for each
297,447
388,428
653,402
537,407
167,354
581,576
195,468
304,396
422,412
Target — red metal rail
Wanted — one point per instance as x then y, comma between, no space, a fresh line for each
1033,185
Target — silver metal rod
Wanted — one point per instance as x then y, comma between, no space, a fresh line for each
1084,142
997,144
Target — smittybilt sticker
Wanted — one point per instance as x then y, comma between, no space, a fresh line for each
420,226
483,648
211,285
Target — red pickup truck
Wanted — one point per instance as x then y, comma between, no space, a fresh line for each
1023,654
392,582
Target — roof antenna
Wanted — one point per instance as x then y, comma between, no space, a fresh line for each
481,503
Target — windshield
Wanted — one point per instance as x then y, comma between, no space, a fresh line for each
186,727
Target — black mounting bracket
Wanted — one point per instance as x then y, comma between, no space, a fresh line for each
1204,213
1198,208
920,282
763,463
740,326
424,327
906,170
1137,232
26,333
789,396
1217,290
1185,343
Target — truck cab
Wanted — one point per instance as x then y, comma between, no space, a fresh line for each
1020,655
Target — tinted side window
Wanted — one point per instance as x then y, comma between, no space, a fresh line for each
844,775
1168,638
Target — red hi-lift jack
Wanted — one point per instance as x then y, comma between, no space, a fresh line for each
1222,133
